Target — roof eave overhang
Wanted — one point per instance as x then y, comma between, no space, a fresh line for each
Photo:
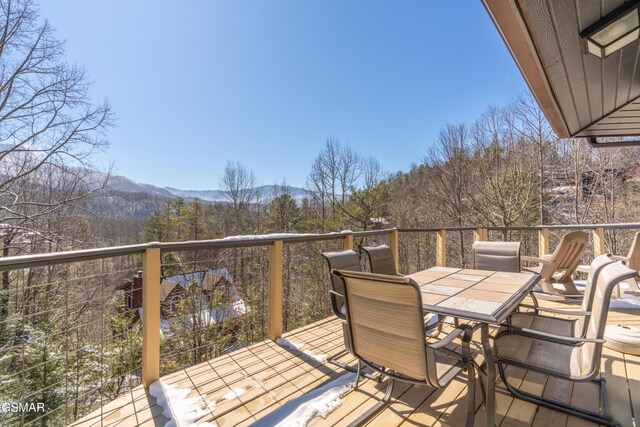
509,23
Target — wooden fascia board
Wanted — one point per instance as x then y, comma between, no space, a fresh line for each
510,24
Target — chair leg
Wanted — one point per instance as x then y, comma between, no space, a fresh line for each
377,408
350,368
605,418
471,394
603,397
481,380
355,385
535,302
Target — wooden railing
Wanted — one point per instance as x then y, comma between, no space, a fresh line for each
482,234
151,273
152,253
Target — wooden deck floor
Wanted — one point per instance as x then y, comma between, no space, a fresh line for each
271,375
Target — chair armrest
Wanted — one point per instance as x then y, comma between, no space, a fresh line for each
619,258
466,331
557,310
562,295
552,337
336,293
534,259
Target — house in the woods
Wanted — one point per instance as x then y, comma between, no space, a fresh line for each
218,297
378,223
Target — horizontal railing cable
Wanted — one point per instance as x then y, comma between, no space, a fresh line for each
624,226
39,260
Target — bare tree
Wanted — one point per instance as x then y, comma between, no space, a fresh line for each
450,163
534,128
49,132
330,161
503,189
317,186
576,154
336,169
372,171
238,184
349,168
46,120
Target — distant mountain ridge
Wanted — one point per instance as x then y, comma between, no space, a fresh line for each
126,185
265,193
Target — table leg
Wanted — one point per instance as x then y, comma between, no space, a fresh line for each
490,405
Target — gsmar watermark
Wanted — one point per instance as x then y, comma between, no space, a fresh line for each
21,407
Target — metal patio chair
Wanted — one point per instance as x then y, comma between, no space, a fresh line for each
569,358
384,321
632,259
559,266
381,262
575,327
343,260
497,256
381,259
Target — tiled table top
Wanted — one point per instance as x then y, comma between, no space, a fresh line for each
479,295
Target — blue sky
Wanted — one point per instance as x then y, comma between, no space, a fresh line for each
199,82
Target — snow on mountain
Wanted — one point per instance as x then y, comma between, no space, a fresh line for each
206,195
265,193
126,185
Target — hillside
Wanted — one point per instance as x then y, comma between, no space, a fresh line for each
125,197
265,193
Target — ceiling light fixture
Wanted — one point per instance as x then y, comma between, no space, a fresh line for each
614,31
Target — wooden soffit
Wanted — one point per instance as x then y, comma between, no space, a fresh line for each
581,94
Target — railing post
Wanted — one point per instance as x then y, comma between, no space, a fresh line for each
347,242
599,246
274,330
441,248
480,234
393,243
150,316
543,242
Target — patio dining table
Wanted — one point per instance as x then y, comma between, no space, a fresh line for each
482,296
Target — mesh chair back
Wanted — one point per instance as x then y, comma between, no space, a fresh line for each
610,276
634,253
592,280
384,314
498,256
568,253
381,259
342,260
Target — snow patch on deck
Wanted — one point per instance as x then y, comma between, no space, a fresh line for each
317,357
177,407
234,393
319,402
289,344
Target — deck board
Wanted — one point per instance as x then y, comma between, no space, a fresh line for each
272,375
